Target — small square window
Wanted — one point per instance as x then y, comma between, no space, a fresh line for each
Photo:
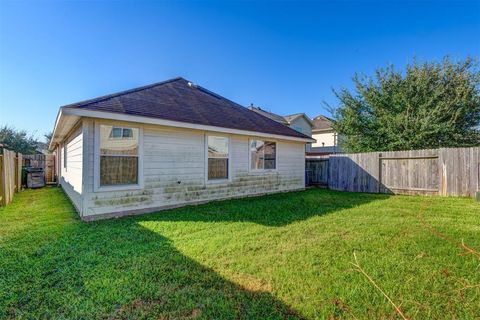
116,133
127,133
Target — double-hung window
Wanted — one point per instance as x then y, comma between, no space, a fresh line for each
263,155
65,156
119,155
217,157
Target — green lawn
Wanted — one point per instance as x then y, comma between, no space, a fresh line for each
280,256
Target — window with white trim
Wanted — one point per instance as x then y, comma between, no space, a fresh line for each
119,155
263,155
217,157
65,155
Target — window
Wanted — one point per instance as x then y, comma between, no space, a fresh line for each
263,155
65,156
299,129
120,133
119,153
217,157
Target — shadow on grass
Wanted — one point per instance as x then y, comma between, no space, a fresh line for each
61,267
273,210
115,270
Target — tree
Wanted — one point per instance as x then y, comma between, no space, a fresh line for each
17,140
48,137
431,105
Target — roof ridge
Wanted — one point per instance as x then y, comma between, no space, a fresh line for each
295,114
121,93
323,116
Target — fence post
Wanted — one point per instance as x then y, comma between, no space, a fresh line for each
380,173
442,172
2,180
19,171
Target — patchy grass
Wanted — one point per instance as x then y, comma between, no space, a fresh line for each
280,256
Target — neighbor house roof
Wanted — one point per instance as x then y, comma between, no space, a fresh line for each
294,116
322,123
269,115
178,100
286,120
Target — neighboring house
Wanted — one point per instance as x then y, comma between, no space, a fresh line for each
42,148
169,144
298,121
327,139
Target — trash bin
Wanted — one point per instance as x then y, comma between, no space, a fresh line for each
35,177
24,175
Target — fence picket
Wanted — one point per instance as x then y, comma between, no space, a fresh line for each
445,171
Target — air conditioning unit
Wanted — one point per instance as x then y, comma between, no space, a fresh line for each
35,177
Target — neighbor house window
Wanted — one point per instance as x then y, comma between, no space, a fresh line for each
263,155
299,129
217,157
118,155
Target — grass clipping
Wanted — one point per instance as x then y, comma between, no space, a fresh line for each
360,269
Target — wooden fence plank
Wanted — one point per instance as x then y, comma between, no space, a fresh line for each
445,171
10,175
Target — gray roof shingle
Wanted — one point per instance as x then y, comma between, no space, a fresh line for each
179,100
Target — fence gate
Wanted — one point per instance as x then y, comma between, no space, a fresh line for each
444,171
409,172
316,171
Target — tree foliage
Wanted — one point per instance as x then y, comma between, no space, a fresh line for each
430,105
17,140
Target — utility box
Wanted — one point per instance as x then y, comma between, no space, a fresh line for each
35,177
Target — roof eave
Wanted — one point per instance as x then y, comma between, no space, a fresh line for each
301,115
323,130
80,112
63,124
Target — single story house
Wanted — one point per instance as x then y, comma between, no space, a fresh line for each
170,144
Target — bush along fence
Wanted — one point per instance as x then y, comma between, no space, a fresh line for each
10,175
445,172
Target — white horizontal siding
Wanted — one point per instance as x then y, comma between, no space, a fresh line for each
174,172
71,174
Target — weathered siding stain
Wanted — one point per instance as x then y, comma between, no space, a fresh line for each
174,172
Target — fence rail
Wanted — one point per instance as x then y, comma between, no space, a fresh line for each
445,171
10,175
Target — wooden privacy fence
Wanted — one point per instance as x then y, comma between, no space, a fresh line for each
316,171
445,171
44,161
10,175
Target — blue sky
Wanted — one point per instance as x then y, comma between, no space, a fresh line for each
283,56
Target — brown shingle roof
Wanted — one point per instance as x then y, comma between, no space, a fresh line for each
321,123
179,100
270,115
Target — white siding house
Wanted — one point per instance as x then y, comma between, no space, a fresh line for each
119,163
71,165
327,139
